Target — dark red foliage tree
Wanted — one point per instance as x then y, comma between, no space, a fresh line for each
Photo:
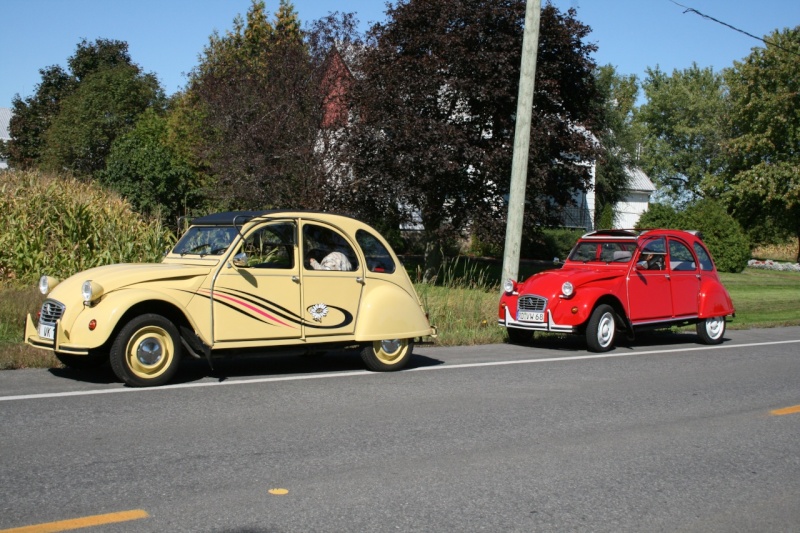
434,107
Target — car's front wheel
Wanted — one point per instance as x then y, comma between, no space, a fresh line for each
147,351
711,330
387,355
601,329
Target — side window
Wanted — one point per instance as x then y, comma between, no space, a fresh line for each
680,257
654,253
378,257
705,260
271,246
325,249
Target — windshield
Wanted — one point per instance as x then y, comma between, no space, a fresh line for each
602,252
205,240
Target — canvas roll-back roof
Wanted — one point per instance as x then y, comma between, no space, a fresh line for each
230,218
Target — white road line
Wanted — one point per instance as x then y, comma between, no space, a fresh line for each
368,373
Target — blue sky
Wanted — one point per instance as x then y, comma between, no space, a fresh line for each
165,37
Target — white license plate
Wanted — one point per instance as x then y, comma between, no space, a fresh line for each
530,316
47,332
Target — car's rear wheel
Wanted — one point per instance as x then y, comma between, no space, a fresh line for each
519,336
387,355
601,329
147,351
711,330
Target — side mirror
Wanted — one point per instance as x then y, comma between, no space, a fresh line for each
240,260
641,265
557,261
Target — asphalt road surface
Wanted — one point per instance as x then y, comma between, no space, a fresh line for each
664,434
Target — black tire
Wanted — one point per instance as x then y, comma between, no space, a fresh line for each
519,336
387,355
711,330
147,351
83,362
601,329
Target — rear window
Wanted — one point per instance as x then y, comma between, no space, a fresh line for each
378,257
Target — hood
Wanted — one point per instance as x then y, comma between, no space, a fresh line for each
551,280
112,277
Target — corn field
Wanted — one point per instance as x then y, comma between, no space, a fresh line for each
59,226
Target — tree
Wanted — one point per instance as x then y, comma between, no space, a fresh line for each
435,104
32,116
80,138
683,127
619,139
256,100
105,105
144,168
762,178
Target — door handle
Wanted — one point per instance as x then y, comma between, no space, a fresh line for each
295,279
360,280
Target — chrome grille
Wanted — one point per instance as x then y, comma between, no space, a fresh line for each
532,303
51,312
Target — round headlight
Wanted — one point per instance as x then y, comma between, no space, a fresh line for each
90,291
46,284
508,286
567,289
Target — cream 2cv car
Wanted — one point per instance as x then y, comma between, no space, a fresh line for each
238,281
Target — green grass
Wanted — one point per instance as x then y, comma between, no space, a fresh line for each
463,306
764,298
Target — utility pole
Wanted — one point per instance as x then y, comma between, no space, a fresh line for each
522,141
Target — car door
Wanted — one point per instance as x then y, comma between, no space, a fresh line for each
257,294
649,290
332,281
685,279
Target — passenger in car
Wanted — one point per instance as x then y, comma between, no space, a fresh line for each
332,261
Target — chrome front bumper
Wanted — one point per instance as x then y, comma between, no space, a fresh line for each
509,322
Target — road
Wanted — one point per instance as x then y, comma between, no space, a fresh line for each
662,435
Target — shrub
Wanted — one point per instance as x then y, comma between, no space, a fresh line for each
725,238
550,243
59,225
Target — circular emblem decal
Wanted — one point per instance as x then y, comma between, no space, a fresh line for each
318,311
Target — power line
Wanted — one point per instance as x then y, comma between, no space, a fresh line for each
696,12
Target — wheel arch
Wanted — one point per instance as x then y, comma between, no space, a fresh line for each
168,310
616,305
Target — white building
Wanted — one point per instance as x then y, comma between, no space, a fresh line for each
626,212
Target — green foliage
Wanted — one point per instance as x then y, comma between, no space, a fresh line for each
73,117
105,105
762,178
725,238
617,133
551,243
32,116
683,127
59,226
145,170
660,216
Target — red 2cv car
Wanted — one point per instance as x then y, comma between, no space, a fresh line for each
621,280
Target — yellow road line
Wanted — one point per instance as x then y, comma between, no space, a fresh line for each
785,411
78,523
